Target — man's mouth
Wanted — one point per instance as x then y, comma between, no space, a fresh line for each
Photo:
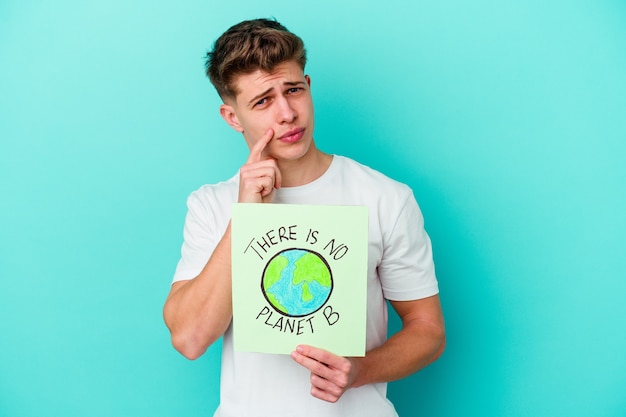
293,135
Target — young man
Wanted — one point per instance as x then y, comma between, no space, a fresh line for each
257,68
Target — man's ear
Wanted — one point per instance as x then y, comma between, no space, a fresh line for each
308,80
228,114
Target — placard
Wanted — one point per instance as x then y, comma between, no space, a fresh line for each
299,277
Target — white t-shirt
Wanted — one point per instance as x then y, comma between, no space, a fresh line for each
400,267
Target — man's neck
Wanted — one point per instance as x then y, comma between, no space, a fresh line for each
305,170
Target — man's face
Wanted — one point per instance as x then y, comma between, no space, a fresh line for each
281,101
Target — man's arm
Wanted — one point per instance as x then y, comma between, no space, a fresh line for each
420,342
198,311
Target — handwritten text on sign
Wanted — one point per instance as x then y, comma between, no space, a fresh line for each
299,276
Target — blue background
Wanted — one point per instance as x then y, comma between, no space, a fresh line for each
507,118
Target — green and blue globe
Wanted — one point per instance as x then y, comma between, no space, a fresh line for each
297,282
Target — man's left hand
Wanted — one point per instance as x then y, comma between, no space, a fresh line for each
331,375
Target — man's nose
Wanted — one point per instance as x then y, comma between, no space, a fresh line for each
286,113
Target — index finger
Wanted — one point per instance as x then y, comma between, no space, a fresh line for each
320,355
257,150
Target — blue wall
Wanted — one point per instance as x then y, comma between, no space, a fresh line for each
508,119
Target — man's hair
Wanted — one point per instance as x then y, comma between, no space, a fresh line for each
251,45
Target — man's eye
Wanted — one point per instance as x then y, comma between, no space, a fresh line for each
294,90
261,102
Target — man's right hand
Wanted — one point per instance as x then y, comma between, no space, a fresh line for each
260,176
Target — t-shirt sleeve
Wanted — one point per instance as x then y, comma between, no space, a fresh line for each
407,270
200,239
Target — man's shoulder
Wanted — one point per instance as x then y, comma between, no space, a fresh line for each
364,173
219,192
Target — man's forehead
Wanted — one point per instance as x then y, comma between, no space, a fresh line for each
253,83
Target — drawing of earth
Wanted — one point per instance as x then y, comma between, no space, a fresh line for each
297,282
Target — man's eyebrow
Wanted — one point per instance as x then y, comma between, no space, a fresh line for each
266,92
259,96
294,83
